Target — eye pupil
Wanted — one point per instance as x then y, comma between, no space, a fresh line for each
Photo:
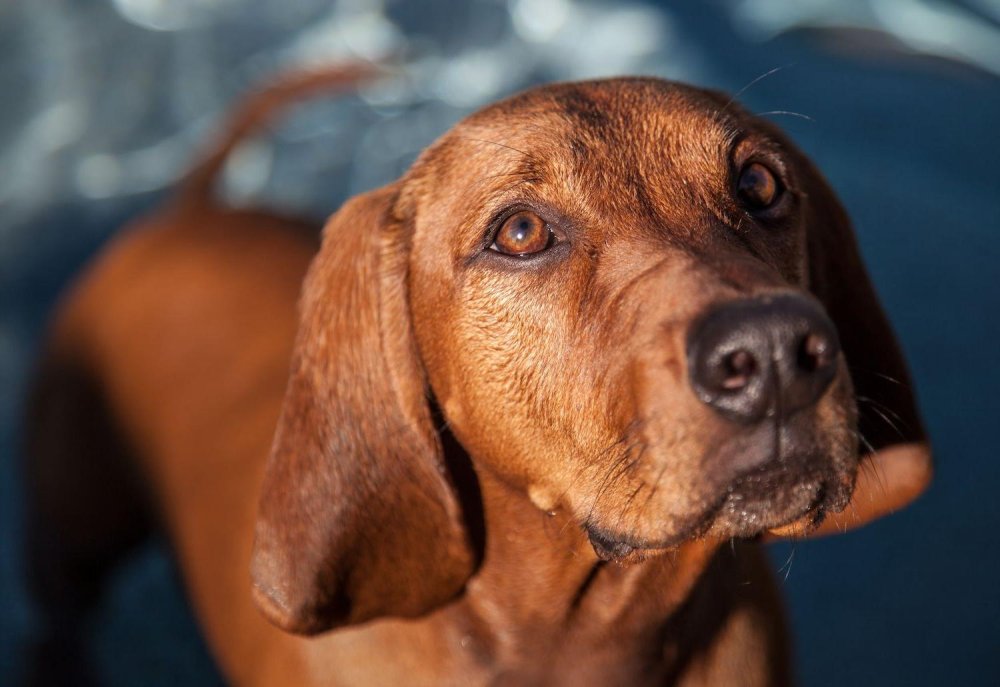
523,233
758,187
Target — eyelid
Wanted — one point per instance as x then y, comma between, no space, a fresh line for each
496,223
774,164
748,148
762,156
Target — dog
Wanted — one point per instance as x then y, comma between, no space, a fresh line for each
541,400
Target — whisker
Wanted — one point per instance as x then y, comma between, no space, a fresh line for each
787,566
876,405
752,83
867,444
842,526
889,422
787,112
496,143
598,455
609,477
881,375
628,501
872,468
629,443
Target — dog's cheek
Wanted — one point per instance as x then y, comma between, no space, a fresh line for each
518,386
491,355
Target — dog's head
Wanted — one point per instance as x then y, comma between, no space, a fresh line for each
631,300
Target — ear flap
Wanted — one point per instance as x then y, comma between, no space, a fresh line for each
897,451
357,518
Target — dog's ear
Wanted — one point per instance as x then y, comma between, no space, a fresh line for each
357,517
894,442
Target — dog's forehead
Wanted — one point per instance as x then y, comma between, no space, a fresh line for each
618,146
617,119
625,105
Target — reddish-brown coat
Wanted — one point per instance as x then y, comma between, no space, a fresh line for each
465,562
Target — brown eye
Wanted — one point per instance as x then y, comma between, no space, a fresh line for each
758,188
523,233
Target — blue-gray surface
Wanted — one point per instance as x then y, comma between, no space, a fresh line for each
106,99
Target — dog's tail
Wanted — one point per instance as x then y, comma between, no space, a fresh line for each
257,110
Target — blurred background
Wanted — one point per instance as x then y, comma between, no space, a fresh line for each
105,103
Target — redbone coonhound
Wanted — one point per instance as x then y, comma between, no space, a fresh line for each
596,330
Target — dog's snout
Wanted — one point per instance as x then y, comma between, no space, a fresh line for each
762,357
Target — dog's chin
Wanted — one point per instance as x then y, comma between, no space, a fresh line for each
793,486
771,499
762,502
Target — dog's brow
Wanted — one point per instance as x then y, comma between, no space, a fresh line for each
731,134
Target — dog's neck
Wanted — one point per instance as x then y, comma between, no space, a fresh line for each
543,601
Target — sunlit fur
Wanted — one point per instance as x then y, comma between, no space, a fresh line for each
429,463
581,393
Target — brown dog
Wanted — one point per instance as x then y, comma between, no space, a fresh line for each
616,321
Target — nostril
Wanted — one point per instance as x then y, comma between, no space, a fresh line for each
739,368
815,352
754,357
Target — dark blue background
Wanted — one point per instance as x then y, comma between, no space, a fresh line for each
911,144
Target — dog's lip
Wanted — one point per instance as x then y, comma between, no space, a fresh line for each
622,548
800,527
607,547
625,548
804,498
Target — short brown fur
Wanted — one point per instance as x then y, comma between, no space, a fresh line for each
457,422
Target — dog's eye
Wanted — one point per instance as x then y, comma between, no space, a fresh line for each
758,187
523,233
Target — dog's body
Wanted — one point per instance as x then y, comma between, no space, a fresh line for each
482,560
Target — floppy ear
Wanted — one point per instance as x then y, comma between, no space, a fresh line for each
357,518
894,445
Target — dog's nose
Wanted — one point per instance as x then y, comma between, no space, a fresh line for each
761,357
